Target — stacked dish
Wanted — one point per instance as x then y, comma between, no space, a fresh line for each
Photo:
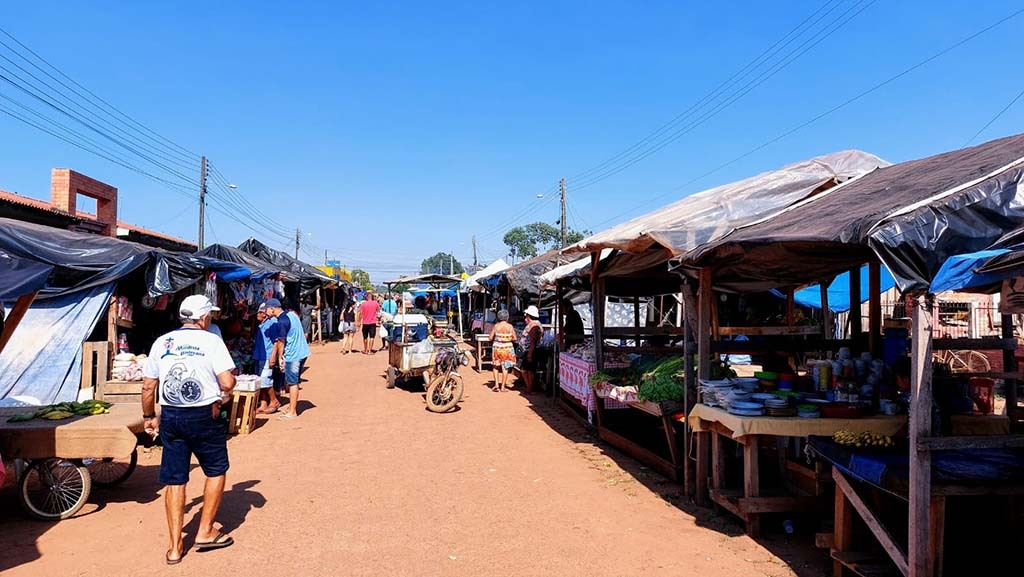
746,409
808,411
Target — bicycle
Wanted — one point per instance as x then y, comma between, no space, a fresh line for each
960,361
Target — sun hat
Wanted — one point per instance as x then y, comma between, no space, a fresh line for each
196,307
531,311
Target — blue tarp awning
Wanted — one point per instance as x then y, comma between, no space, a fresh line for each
839,291
958,272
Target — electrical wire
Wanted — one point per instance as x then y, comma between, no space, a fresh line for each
994,118
824,114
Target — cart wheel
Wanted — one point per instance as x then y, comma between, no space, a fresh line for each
444,392
54,489
392,377
109,472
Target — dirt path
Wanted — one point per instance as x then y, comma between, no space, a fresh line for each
367,482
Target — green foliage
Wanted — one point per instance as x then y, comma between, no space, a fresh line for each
661,388
519,244
361,279
526,241
441,263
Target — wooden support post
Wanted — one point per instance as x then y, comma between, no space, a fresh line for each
919,556
875,309
790,308
636,319
598,299
18,311
1010,366
703,462
690,395
705,297
856,323
826,312
752,481
843,539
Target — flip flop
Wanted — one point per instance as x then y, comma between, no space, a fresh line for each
219,542
167,558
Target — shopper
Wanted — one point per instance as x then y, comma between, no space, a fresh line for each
192,369
290,352
531,337
348,325
262,350
503,352
368,311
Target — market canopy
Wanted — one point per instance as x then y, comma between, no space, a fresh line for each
80,260
431,279
310,279
911,216
20,276
474,281
707,215
523,277
259,268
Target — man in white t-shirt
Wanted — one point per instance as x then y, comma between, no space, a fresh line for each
192,369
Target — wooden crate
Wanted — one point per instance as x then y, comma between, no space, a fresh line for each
95,363
119,391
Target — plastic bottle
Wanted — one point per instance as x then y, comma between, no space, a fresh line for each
122,343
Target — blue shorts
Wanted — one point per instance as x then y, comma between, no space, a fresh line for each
293,372
187,431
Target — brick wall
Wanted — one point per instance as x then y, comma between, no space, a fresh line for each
66,185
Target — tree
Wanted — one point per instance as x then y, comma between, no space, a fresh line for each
441,263
361,279
525,241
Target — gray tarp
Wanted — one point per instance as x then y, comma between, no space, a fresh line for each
911,216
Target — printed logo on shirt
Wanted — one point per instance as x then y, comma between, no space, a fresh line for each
180,387
168,345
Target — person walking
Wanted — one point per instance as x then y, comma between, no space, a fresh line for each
290,352
348,325
262,350
531,339
192,369
503,351
368,311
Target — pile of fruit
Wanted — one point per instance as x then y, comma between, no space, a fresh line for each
865,439
64,411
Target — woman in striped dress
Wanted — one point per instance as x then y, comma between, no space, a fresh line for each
503,352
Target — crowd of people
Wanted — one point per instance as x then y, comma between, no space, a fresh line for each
525,349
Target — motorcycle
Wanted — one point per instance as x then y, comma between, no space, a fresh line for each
445,389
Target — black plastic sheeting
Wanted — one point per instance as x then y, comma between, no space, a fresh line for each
911,216
523,277
260,268
79,261
20,276
310,279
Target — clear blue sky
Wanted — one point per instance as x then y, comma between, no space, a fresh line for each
390,131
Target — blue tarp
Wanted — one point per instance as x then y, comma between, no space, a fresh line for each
839,291
19,276
957,272
43,359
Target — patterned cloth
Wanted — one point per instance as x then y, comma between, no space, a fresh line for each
574,378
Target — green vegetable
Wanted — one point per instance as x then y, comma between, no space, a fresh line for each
21,418
660,388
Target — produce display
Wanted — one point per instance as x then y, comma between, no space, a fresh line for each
64,411
865,439
656,379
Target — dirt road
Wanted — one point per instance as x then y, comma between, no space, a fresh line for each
367,482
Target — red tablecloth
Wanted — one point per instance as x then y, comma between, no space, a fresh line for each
574,378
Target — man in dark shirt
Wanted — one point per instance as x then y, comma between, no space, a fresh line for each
572,325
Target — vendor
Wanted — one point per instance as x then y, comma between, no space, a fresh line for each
572,325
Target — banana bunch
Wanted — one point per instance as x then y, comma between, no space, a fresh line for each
64,411
864,439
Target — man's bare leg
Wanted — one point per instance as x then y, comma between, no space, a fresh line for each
174,503
212,492
293,400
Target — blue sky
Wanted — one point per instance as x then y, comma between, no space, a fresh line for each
388,131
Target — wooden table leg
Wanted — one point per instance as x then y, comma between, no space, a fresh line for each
752,481
843,537
673,444
937,532
479,356
717,462
702,467
233,421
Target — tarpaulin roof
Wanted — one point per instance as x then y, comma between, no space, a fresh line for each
432,279
309,277
522,277
19,276
912,216
839,291
475,279
259,268
712,213
960,272
81,260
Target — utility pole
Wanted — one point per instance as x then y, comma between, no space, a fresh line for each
561,185
325,258
202,201
298,238
476,265
451,263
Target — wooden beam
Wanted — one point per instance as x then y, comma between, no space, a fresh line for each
636,320
871,520
703,333
703,463
969,442
760,331
18,311
690,394
920,424
598,303
640,453
790,308
855,319
752,481
644,331
875,309
843,539
982,344
826,312
1010,364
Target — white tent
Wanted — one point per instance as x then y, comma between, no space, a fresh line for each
549,279
494,268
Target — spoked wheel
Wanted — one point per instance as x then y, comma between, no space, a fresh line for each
109,472
54,489
444,392
969,362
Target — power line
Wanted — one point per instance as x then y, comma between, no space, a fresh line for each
828,112
809,44
994,118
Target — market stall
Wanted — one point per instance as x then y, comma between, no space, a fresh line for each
909,218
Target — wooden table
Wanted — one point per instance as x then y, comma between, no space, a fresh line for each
671,467
712,426
483,343
243,411
107,435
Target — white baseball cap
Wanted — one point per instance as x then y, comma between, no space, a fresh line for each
531,311
196,307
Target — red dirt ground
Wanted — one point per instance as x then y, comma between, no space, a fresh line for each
367,482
